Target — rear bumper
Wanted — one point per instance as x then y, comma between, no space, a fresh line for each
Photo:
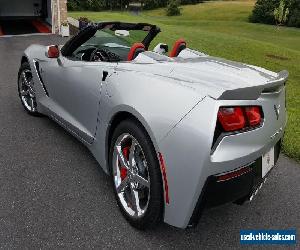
239,188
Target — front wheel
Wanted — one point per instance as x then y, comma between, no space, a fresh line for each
26,89
136,175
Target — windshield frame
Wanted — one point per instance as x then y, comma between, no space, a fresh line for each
87,33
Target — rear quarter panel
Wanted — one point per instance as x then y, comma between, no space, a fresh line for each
158,103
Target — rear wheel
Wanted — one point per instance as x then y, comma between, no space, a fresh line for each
136,175
26,89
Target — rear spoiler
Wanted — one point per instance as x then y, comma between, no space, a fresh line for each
252,93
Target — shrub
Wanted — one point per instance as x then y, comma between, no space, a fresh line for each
263,11
184,2
173,8
72,5
294,17
152,4
294,20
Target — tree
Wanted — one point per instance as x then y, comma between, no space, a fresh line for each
173,8
281,13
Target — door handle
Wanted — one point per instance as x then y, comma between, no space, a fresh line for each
104,75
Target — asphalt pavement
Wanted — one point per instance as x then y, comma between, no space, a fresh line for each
54,195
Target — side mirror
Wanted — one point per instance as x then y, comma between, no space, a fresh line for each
52,51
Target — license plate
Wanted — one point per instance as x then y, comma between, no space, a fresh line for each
268,162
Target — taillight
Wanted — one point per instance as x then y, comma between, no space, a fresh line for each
238,118
231,118
253,115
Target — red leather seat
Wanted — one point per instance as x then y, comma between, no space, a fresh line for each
135,50
179,46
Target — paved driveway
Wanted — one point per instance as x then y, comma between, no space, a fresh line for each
53,194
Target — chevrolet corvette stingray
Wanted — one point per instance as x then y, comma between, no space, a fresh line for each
178,131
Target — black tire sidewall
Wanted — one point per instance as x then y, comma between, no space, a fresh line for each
153,214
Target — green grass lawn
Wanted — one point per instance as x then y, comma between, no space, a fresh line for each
221,28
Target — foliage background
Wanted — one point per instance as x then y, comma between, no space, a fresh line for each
98,5
263,12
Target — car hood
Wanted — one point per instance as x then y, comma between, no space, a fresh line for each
214,76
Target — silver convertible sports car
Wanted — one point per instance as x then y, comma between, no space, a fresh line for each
178,131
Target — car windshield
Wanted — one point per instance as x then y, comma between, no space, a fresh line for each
116,42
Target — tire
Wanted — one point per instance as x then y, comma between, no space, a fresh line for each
146,165
26,90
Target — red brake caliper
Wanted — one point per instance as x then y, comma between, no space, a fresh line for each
123,169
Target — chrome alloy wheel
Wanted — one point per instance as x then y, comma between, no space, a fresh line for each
131,175
26,90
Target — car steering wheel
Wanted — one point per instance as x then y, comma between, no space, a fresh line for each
99,55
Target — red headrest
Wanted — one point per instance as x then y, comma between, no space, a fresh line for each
135,50
178,47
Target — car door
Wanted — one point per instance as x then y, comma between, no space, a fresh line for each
74,88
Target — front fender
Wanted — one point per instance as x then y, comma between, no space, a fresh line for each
32,55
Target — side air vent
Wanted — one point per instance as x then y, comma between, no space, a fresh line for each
37,67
